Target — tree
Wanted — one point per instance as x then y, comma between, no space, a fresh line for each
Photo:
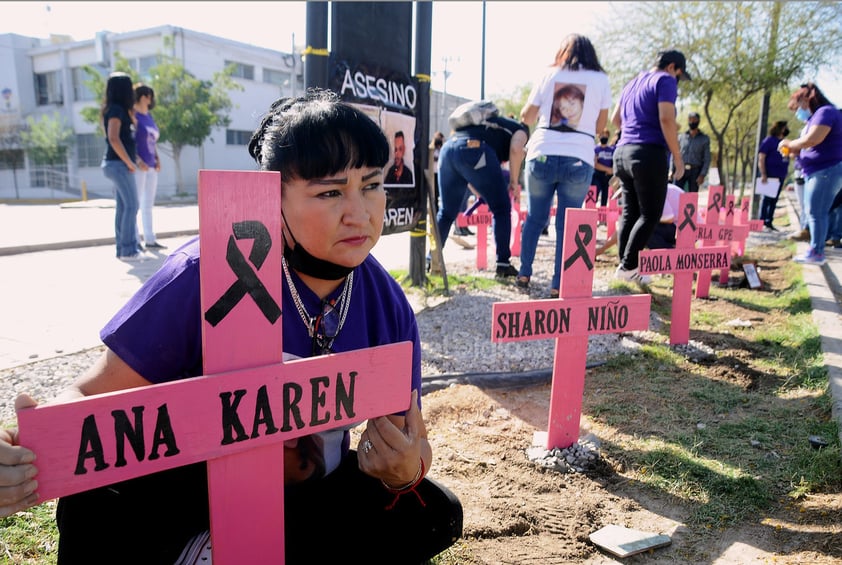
46,140
736,51
11,146
511,103
186,108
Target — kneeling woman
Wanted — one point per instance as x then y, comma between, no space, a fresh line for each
370,506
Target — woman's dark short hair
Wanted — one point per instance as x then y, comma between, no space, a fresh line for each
316,135
141,89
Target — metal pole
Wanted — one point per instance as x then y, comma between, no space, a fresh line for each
482,77
316,53
423,43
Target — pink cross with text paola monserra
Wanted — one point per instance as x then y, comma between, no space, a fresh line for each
682,262
570,319
238,415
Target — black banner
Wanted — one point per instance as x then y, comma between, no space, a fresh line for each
389,98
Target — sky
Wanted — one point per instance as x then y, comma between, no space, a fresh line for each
521,37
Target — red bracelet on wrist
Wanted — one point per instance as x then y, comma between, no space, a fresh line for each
409,487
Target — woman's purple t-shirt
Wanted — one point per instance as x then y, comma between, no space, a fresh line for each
776,164
158,332
829,152
639,114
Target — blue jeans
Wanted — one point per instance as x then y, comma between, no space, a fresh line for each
125,221
820,189
546,177
460,165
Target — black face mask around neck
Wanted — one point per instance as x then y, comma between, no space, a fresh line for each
303,262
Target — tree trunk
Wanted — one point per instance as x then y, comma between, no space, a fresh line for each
179,182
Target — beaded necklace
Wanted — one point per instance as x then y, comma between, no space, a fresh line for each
310,322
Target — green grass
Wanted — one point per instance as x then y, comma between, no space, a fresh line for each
29,537
434,284
726,449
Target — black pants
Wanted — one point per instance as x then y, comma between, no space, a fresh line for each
768,205
643,171
600,181
689,182
341,519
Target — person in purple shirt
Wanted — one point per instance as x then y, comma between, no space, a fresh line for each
771,164
645,117
818,152
370,505
148,163
603,167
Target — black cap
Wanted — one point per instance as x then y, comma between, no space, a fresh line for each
677,57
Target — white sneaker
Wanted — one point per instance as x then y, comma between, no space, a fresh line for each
134,258
631,276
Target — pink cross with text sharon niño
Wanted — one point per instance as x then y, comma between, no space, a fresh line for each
238,415
570,319
682,262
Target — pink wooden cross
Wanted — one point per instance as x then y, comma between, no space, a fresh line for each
237,416
607,214
711,215
569,320
682,262
743,219
727,233
481,217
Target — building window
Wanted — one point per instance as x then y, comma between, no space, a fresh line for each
81,92
145,64
241,70
237,137
273,76
48,89
90,149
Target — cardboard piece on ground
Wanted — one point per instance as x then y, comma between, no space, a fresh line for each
752,277
624,542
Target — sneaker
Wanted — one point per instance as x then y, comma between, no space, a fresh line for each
463,231
522,282
770,227
506,270
803,235
155,245
811,258
631,276
463,243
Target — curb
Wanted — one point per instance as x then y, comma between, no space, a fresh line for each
824,288
79,243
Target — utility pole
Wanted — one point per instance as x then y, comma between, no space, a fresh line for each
482,75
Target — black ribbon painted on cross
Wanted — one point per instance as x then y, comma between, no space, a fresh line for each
730,211
717,202
590,196
689,212
247,280
581,247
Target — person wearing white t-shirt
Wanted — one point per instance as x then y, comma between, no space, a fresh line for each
568,105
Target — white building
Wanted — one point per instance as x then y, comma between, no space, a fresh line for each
46,77
38,78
